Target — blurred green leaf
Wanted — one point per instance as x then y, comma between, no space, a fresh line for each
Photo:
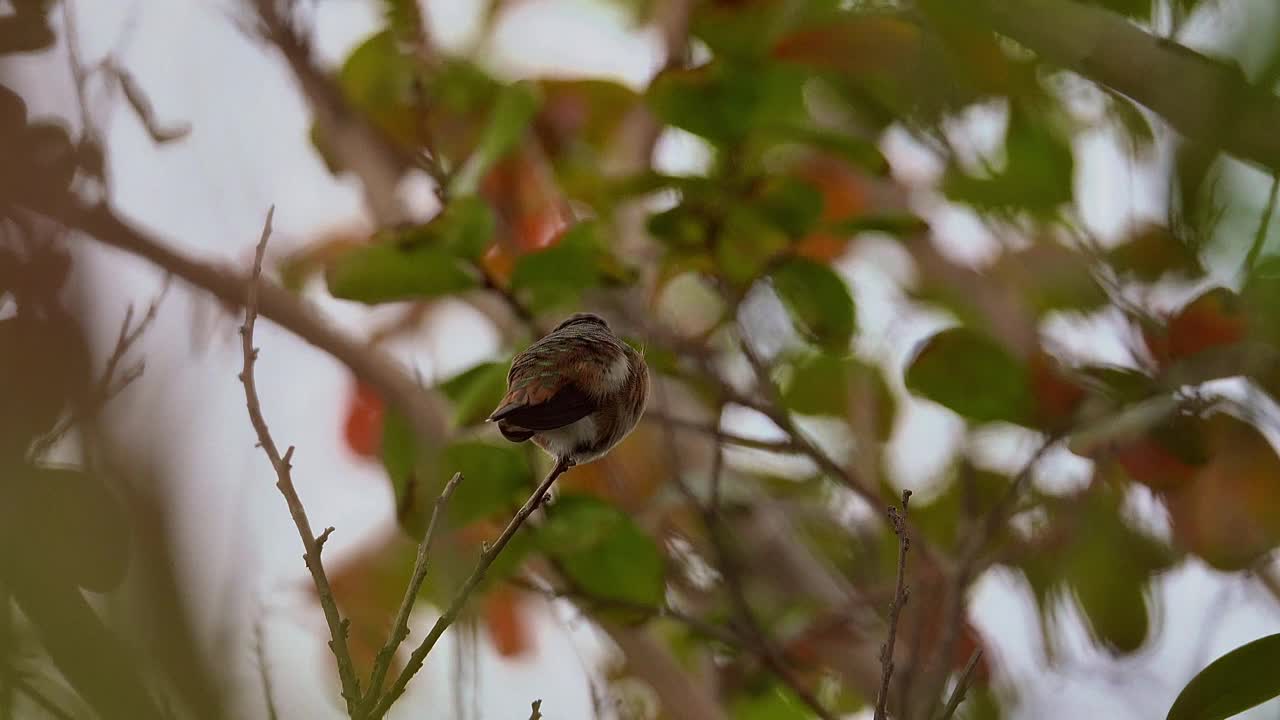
1132,122
378,79
556,277
399,453
1037,176
725,103
972,375
818,385
1152,252
82,530
748,243
496,478
603,552
772,702
819,302
890,223
514,109
388,271
476,392
1235,682
790,205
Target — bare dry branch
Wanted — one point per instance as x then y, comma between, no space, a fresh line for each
423,409
487,556
400,630
284,482
900,596
535,711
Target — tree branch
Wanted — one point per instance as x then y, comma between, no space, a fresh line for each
1228,112
400,630
423,409
900,595
487,556
284,482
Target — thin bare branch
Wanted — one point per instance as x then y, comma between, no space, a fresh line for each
141,105
962,686
728,438
898,519
110,384
400,630
264,672
487,556
284,482
535,712
423,409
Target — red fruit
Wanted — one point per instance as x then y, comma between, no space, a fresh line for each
363,428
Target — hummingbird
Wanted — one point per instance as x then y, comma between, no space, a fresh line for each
576,393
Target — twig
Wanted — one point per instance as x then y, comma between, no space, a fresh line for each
587,602
284,482
141,106
774,409
1264,224
728,438
264,672
535,712
400,630
900,595
755,633
108,385
487,556
962,685
424,409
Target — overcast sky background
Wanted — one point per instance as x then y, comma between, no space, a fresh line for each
249,149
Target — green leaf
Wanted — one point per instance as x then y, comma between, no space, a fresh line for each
790,205
1154,251
81,528
889,223
972,375
725,103
556,276
819,302
1037,176
773,702
496,478
1235,682
388,271
818,385
603,552
378,80
513,111
748,243
399,452
476,392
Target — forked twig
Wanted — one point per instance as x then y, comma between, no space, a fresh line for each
487,556
284,482
400,630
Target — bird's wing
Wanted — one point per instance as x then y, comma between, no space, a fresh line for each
541,397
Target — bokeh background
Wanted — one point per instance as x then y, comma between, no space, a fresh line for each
867,247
